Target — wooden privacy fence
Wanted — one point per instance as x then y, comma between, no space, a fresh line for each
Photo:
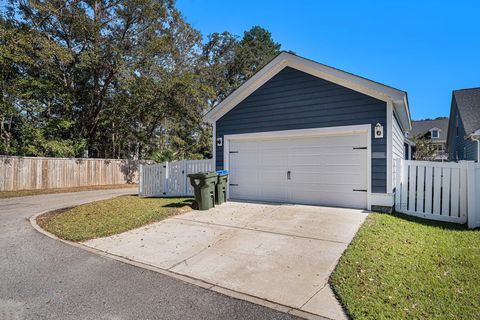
170,178
445,191
24,173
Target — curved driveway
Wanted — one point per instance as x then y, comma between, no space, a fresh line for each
42,278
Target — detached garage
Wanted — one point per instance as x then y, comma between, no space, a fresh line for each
302,132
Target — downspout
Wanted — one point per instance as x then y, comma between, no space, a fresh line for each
476,137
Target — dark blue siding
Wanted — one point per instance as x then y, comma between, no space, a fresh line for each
296,100
459,148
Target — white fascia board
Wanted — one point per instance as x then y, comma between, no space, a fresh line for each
252,84
319,70
403,112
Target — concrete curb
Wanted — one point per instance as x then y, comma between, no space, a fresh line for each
200,283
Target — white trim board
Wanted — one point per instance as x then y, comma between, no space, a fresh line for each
389,147
214,140
364,128
397,98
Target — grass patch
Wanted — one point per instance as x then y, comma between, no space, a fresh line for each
109,217
401,267
24,193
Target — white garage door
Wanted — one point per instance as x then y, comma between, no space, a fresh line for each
322,170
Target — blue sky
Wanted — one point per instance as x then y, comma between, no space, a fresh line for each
427,48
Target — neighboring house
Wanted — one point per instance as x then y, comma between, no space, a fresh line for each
302,132
434,130
464,126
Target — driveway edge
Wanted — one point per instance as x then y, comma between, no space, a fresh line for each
200,283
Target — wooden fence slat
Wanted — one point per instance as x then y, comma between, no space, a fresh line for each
24,173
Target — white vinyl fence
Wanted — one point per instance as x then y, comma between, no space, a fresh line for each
169,179
446,191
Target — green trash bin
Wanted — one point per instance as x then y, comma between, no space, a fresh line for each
221,186
203,184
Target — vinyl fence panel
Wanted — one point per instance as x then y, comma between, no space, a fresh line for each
170,179
445,191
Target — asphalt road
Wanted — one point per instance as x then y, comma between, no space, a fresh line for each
41,278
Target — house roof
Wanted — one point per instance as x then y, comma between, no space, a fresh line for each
397,98
468,105
421,127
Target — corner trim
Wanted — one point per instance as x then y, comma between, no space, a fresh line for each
389,142
214,143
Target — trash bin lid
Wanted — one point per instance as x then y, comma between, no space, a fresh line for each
222,172
202,175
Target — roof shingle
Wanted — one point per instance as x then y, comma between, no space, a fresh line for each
468,104
421,127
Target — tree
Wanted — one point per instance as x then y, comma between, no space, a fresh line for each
218,57
115,79
230,62
254,51
424,149
35,109
106,51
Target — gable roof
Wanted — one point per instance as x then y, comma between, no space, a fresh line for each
468,105
398,98
421,127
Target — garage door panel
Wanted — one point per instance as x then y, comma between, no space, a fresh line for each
327,178
329,198
324,170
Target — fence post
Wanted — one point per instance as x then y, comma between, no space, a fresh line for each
165,178
398,182
140,180
184,178
472,211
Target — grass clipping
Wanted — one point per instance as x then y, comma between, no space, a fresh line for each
109,217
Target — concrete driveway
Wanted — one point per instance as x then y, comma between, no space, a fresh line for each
43,278
279,253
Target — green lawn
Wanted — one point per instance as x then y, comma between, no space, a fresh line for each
109,217
23,193
400,267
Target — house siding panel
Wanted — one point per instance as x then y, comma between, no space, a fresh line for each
458,147
294,100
